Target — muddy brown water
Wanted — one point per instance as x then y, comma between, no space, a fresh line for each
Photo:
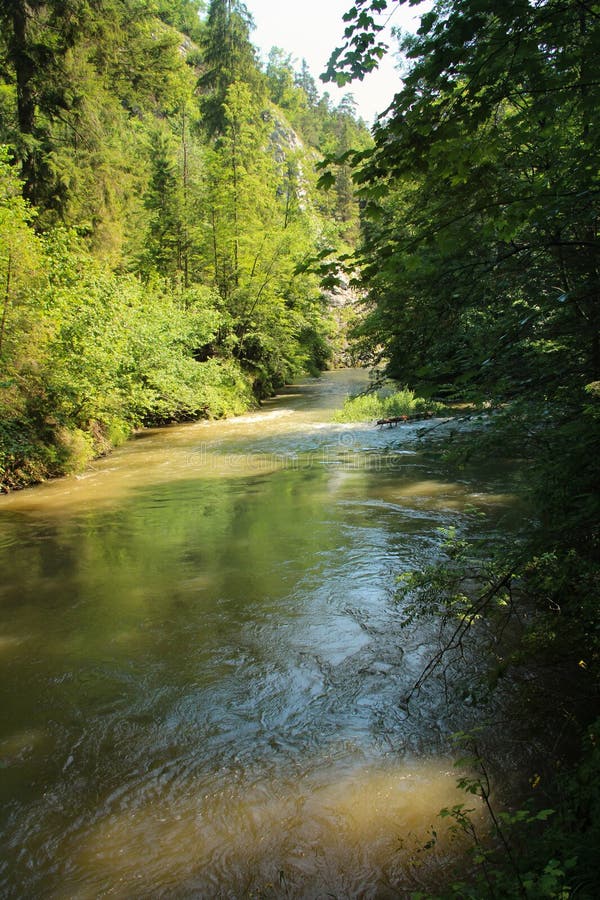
202,666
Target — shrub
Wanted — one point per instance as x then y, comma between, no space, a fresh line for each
380,406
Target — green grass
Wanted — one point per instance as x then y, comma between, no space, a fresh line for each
366,407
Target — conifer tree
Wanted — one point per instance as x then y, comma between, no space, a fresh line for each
38,34
305,80
228,56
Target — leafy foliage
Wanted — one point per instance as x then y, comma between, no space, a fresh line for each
367,407
480,266
496,109
157,208
99,354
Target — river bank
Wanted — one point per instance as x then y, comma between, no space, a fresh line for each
33,451
26,459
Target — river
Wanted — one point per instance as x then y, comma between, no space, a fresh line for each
202,666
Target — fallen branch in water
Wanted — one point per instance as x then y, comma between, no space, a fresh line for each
401,420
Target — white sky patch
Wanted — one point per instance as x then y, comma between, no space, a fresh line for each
312,29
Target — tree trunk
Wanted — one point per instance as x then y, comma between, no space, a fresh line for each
6,301
21,13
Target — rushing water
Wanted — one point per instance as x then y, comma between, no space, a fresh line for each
202,665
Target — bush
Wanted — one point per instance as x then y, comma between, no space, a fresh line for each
380,406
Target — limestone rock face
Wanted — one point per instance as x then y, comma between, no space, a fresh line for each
344,302
343,294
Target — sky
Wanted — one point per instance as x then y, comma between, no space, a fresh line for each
311,29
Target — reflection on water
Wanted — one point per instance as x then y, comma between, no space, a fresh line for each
202,665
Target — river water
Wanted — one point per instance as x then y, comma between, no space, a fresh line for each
202,666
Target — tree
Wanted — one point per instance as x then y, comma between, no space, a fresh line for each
280,80
167,246
38,35
305,80
480,259
342,137
20,268
183,15
259,234
66,65
228,57
496,108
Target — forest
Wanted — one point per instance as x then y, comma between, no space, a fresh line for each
172,214
161,233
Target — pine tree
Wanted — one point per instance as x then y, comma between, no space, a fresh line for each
38,34
305,80
228,56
